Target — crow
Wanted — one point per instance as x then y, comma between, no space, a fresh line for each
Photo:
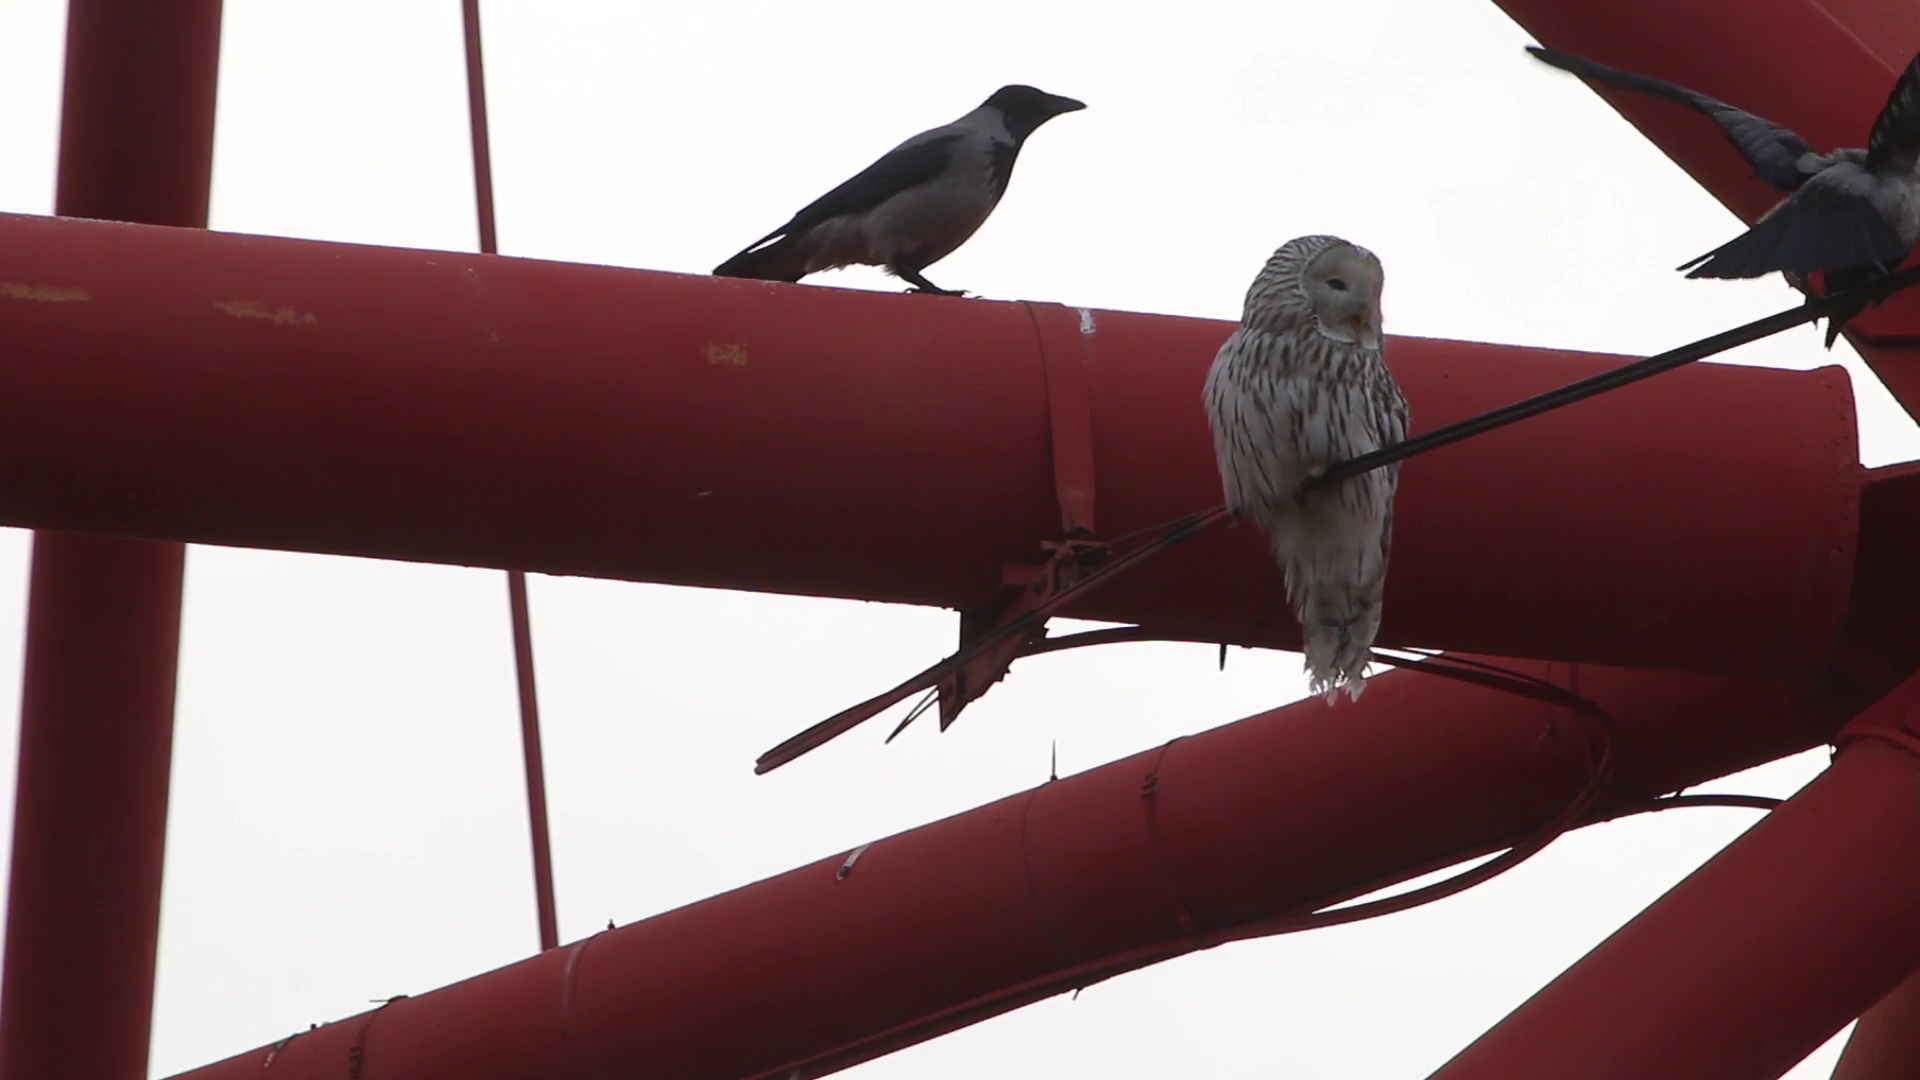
915,205
1851,213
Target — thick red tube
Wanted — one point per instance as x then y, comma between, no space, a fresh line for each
1759,956
103,614
1885,1045
584,420
1182,847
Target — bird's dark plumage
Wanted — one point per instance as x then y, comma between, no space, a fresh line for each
1893,146
1851,214
904,168
915,205
1774,152
1827,229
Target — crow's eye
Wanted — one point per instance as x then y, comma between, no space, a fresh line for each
1336,284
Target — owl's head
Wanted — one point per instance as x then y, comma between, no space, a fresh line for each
1324,283
1342,285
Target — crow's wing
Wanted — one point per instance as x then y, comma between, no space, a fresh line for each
913,162
1894,143
1773,151
1823,226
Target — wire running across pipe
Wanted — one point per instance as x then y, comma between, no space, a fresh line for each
516,579
1874,292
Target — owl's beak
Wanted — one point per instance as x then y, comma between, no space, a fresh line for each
1367,322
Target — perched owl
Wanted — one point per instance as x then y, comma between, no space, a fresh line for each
1297,387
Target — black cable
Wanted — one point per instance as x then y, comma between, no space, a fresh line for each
1873,292
1677,802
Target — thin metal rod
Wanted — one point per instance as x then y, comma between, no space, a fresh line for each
477,121
536,767
516,579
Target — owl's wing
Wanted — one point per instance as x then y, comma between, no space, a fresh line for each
1393,416
1393,412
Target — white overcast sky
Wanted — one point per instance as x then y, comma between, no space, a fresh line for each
347,819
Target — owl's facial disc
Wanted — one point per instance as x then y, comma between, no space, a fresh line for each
1343,286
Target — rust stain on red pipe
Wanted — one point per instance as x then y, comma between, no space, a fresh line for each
1178,848
586,420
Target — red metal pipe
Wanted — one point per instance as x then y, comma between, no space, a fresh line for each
1759,956
1175,849
1792,61
90,807
103,614
615,423
1885,1045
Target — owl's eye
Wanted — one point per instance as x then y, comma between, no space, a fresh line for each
1336,284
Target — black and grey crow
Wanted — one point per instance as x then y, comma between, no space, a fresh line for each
915,205
1853,214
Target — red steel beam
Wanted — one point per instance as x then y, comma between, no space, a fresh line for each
1183,847
1885,1045
1759,956
1822,71
570,419
103,614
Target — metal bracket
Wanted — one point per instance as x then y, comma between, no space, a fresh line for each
1066,337
1068,564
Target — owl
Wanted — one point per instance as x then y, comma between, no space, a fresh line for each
1297,387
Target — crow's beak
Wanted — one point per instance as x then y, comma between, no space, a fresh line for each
1066,105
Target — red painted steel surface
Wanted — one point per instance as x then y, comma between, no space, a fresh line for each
1886,1044
1071,882
1759,956
586,420
1792,61
1885,26
90,807
103,614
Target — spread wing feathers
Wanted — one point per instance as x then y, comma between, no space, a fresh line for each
1773,151
1894,143
908,165
1821,227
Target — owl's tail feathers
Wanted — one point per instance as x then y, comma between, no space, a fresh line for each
1339,612
1337,656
